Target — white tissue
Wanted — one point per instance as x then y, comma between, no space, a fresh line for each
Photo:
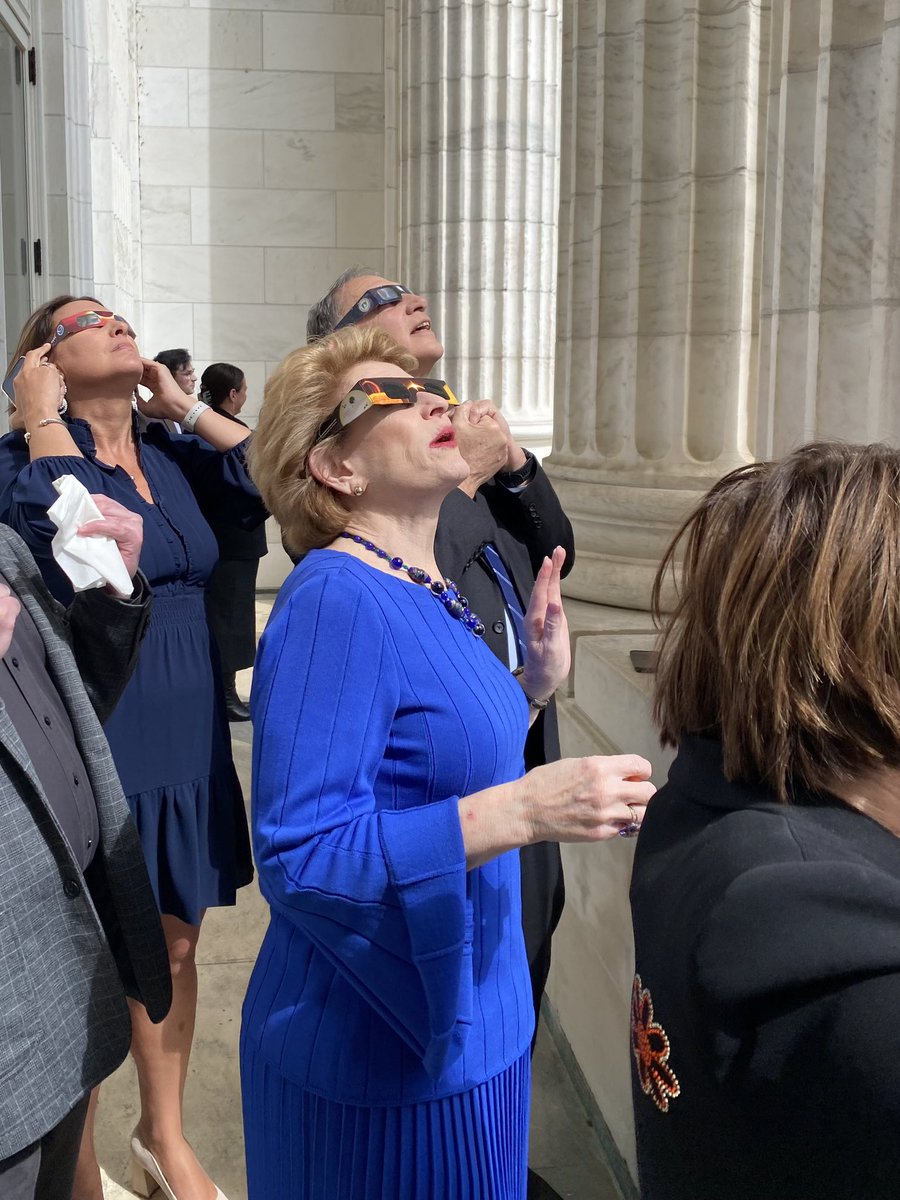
89,562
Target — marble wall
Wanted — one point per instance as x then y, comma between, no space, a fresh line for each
262,173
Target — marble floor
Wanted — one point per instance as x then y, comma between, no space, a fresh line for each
564,1150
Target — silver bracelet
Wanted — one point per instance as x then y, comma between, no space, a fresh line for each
46,421
192,416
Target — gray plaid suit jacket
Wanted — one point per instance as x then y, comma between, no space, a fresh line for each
71,945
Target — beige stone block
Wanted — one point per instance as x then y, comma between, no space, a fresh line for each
202,157
203,274
261,100
360,218
163,96
165,216
248,331
343,161
322,42
187,37
165,326
255,217
304,276
359,103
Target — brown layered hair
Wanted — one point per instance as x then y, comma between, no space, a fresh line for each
785,638
302,392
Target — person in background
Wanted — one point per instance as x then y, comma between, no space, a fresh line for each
766,887
79,927
385,1043
182,368
494,531
168,733
231,595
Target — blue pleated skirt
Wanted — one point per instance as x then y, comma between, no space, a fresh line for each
170,741
472,1146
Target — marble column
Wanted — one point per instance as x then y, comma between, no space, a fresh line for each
473,140
658,275
728,289
829,331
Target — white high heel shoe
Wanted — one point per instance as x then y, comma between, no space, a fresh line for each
147,1175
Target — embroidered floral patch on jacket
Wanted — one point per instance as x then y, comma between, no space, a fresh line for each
650,1044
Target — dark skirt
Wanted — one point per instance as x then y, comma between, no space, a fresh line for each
472,1146
231,610
172,748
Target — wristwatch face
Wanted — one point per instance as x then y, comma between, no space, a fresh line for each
523,473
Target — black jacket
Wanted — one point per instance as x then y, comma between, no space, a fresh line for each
237,544
524,527
765,1039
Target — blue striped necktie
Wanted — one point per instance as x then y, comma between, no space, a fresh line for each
510,596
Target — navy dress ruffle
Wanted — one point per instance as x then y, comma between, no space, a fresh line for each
169,732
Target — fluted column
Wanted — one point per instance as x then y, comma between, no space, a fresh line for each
830,321
662,152
474,136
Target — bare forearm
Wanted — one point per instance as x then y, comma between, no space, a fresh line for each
50,441
493,822
219,431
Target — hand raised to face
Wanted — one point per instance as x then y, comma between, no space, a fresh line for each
481,434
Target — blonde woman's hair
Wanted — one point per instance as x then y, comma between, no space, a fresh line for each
299,395
785,639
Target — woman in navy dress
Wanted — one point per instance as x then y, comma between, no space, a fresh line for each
169,734
387,1026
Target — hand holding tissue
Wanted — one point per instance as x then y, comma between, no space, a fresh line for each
88,562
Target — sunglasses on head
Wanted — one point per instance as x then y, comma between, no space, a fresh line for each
386,293
86,320
368,392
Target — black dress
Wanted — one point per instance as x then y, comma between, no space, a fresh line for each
231,595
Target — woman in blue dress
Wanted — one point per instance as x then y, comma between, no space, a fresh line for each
386,1030
169,734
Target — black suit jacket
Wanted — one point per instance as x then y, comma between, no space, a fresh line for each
525,527
766,1046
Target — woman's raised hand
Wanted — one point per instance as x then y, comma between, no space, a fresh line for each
168,401
39,387
548,654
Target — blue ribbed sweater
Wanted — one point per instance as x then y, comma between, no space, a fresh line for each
389,974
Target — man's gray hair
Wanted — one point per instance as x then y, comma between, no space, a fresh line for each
324,314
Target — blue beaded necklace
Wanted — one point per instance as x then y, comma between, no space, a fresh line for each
447,592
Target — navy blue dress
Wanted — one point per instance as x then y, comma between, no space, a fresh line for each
386,1030
169,732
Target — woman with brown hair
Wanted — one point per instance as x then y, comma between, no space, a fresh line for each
766,886
168,734
388,1021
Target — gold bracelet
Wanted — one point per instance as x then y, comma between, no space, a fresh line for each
46,421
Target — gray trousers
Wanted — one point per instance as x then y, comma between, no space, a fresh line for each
45,1170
